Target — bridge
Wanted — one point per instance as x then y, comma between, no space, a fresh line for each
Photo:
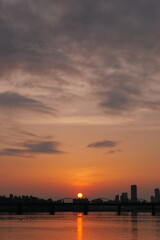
69,205
65,200
100,200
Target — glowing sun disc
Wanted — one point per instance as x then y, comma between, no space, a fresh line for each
80,195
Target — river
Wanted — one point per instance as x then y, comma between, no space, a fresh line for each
76,226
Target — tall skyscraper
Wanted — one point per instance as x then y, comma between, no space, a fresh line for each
157,195
134,193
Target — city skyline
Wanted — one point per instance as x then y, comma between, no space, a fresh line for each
121,203
79,97
133,197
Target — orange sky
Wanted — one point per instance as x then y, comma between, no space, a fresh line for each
79,98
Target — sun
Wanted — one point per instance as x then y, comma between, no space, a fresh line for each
80,195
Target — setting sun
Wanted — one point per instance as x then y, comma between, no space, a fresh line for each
80,195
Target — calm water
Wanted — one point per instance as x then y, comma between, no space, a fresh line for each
72,226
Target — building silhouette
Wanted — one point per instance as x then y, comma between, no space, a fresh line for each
124,197
156,197
116,198
152,199
134,193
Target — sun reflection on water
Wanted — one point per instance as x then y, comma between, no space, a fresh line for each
79,226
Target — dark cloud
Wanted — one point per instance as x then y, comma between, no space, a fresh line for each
127,93
117,101
32,148
104,143
15,101
114,45
42,35
30,36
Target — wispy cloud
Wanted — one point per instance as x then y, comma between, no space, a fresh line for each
114,151
26,133
103,144
33,148
15,101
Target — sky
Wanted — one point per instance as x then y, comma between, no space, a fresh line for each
79,97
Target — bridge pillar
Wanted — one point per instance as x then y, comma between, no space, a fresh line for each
133,213
85,209
19,209
52,209
153,210
119,209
